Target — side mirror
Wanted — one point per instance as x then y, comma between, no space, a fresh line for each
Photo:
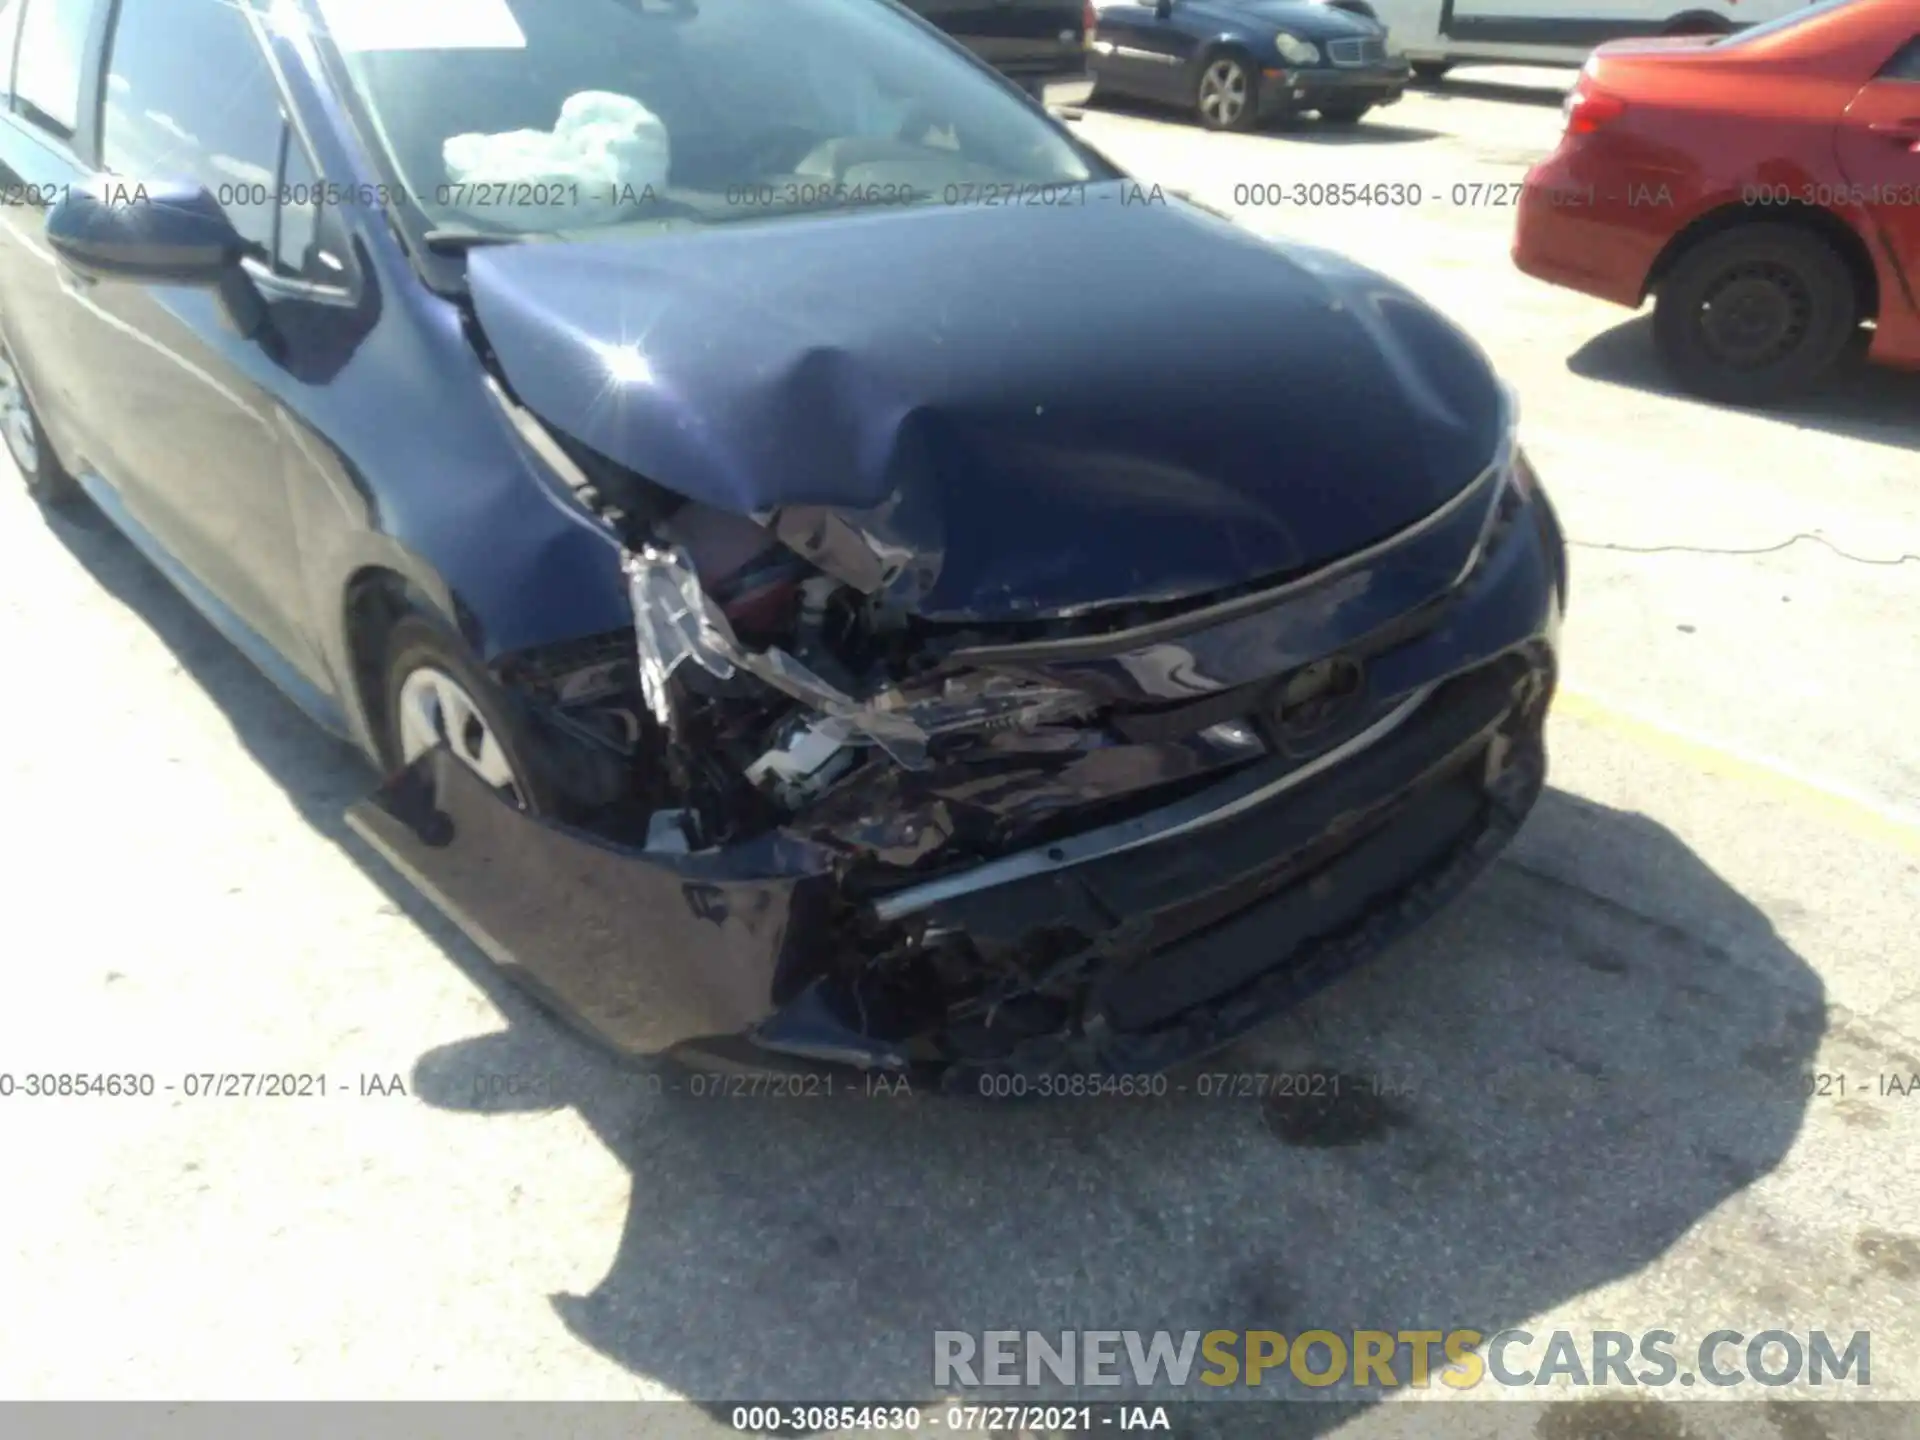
167,233
1162,9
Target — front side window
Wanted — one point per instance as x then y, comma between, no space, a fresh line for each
189,96
53,46
554,116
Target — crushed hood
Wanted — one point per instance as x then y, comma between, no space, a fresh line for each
1047,407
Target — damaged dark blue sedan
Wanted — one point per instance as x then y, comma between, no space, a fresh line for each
832,570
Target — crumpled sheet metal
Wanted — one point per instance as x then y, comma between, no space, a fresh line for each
674,622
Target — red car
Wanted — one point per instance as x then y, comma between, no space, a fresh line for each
1764,187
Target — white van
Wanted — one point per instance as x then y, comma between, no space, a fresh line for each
1437,34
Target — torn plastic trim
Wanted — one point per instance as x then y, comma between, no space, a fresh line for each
674,622
1211,807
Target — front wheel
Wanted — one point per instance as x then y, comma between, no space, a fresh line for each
1755,314
437,694
1430,72
1227,96
1349,114
46,481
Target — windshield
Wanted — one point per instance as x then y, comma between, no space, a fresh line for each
545,117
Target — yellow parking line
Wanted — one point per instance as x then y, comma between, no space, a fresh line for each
1856,813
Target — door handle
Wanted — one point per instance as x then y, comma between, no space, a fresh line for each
1907,130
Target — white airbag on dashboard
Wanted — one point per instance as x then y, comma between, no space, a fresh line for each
603,152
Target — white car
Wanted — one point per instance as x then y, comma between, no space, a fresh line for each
1438,34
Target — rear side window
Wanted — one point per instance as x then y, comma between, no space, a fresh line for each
52,53
1905,65
189,96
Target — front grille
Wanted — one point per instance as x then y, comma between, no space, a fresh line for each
1281,877
1370,50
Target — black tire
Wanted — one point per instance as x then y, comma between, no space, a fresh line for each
46,479
417,642
1215,65
1344,114
1788,307
1431,72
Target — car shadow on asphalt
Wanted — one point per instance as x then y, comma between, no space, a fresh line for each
1538,1094
1454,87
1861,402
1371,131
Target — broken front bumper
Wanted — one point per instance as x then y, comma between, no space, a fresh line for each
1169,935
1183,941
1123,947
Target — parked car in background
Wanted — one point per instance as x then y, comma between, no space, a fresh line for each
801,615
1439,34
1031,42
1764,188
1238,63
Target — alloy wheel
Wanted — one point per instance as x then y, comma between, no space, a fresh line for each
16,420
435,709
1223,93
